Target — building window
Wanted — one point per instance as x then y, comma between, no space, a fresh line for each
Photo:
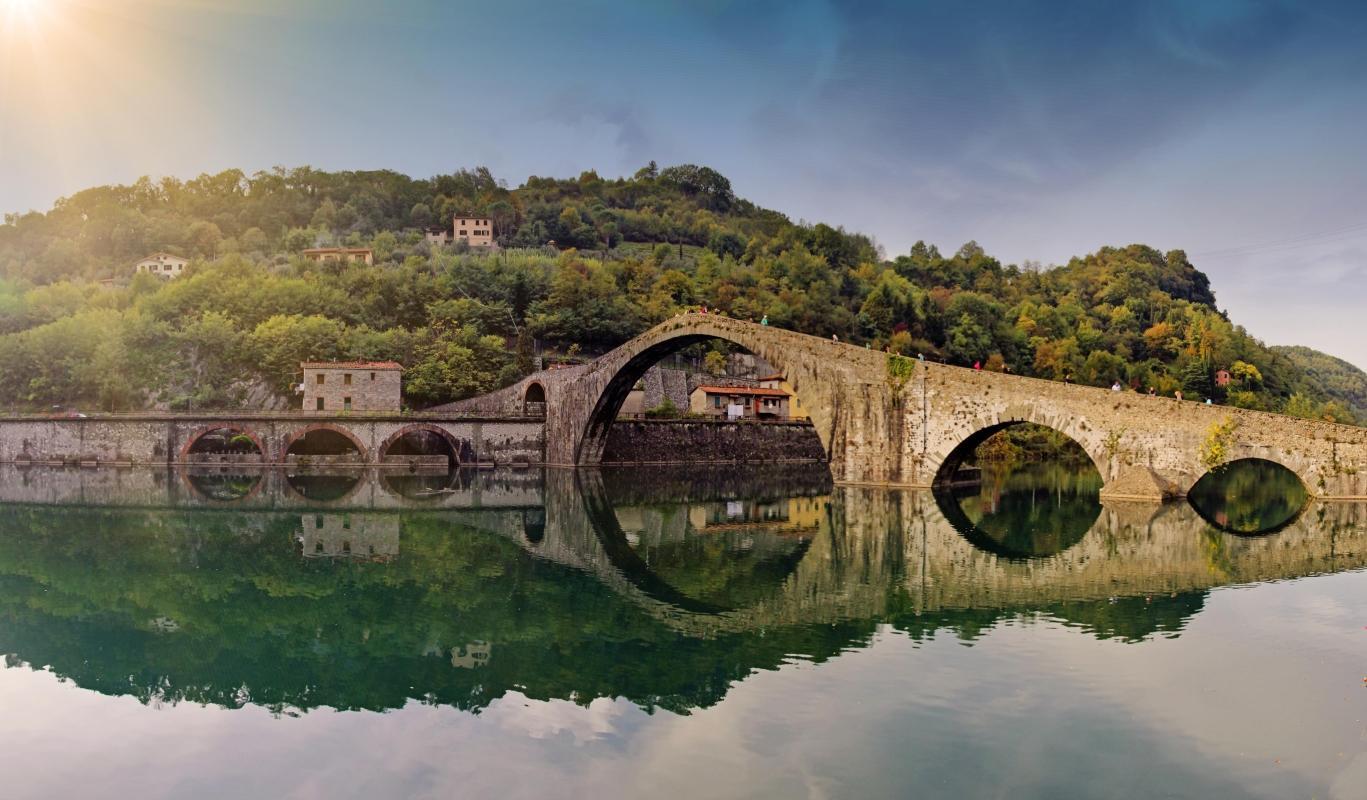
320,404
463,233
716,402
372,376
346,378
321,379
346,403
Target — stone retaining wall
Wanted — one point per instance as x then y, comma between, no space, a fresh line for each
711,441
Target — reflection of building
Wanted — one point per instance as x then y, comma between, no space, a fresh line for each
163,265
352,386
735,402
362,255
777,381
785,515
370,537
469,656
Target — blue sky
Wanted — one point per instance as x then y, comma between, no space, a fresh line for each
1234,130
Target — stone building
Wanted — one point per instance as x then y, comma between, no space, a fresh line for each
164,265
362,255
474,231
739,402
352,386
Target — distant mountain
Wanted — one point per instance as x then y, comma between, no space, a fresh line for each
1335,378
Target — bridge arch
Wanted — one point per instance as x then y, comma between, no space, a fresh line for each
453,445
612,378
942,465
300,435
198,437
1250,497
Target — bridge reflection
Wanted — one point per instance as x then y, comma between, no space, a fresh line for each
568,584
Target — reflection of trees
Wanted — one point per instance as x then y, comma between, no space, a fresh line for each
218,608
323,487
1249,496
224,487
1026,511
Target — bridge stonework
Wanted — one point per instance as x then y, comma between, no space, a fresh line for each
887,420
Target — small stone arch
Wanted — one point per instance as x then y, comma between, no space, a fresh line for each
294,436
461,452
201,431
1215,516
941,465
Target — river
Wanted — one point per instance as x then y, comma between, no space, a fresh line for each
730,632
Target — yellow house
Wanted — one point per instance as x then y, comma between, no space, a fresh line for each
475,231
777,381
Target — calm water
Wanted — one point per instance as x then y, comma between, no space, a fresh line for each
731,633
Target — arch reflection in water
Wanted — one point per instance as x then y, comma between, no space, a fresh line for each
224,487
424,486
324,486
730,553
1027,511
1250,496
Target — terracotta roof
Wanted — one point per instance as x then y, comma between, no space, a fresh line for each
164,253
743,390
351,365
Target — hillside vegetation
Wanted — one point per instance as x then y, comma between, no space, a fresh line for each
586,264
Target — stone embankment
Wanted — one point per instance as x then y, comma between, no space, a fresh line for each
706,441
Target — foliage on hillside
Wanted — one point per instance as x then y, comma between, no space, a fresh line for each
1338,379
627,253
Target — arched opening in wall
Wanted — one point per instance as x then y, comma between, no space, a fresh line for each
534,401
534,525
422,446
1020,490
322,446
1250,497
701,400
224,445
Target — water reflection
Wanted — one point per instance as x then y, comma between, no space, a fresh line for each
225,486
1249,496
574,585
1027,511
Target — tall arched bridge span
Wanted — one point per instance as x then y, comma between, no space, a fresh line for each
891,420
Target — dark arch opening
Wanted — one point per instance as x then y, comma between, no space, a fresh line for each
423,442
534,525
1249,497
1020,491
225,444
325,442
534,401
803,444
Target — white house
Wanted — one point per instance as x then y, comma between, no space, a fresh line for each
163,265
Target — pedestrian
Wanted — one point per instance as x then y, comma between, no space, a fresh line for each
978,366
1177,394
1115,387
835,338
765,320
1152,391
1208,401
920,356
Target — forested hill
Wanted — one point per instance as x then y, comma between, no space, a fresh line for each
584,264
1339,379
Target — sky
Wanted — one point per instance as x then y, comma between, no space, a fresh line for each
1236,131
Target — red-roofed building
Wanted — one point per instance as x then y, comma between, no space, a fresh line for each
739,402
352,386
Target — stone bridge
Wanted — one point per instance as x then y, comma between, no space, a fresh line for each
159,439
888,420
